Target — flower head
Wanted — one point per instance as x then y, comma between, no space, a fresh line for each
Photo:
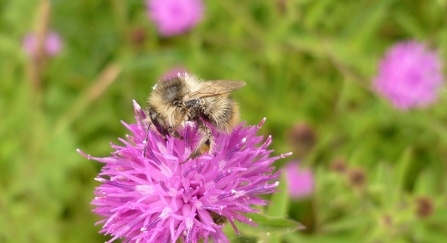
174,17
52,44
424,207
338,165
357,177
302,138
409,75
148,195
300,182
174,72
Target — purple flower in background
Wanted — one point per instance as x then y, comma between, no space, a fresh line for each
174,72
409,75
300,182
174,17
52,44
153,197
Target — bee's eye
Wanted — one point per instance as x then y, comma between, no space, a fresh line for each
191,103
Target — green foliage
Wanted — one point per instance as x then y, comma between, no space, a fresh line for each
303,61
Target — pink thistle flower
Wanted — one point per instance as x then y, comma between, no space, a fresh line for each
153,197
409,75
174,72
174,17
52,44
300,182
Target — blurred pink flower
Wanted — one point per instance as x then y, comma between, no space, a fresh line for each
174,17
52,44
409,75
150,192
300,182
173,72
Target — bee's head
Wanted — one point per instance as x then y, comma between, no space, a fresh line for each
171,91
167,100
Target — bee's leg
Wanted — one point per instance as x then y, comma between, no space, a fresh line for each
205,143
153,120
173,132
179,120
157,122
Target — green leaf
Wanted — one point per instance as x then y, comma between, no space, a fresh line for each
268,225
296,237
408,23
347,224
280,200
404,167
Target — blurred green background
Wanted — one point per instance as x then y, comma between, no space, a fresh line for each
379,172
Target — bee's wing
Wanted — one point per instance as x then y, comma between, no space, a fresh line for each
216,88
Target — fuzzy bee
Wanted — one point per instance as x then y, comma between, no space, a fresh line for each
184,98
